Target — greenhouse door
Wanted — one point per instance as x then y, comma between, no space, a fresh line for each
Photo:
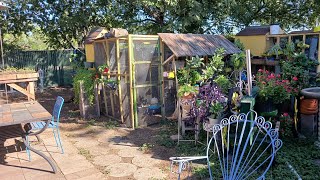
145,79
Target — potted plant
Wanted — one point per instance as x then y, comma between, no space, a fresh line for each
275,51
274,90
215,110
186,91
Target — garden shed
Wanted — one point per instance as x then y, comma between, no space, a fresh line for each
176,48
137,63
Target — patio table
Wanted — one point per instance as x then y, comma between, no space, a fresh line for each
14,119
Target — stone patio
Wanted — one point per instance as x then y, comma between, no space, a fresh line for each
90,153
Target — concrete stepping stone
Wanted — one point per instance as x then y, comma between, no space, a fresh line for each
99,150
144,161
129,152
149,173
121,170
106,160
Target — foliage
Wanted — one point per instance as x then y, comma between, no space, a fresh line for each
185,90
110,124
66,23
88,79
146,147
286,125
302,46
274,87
289,51
238,61
216,109
215,65
239,44
11,69
190,74
195,62
297,71
275,50
224,83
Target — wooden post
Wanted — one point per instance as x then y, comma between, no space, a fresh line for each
81,101
105,98
318,67
131,79
96,96
162,99
249,75
304,41
118,79
178,99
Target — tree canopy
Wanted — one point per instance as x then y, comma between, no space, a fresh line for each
65,23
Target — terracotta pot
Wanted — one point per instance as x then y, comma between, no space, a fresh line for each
189,96
309,106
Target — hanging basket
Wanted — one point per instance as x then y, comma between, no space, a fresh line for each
309,106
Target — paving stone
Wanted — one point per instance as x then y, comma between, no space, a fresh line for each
144,161
106,160
129,152
16,176
82,174
121,170
72,167
149,173
86,143
99,150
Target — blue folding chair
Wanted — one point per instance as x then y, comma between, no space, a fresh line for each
54,124
245,148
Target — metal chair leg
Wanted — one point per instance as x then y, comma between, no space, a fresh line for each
27,149
60,142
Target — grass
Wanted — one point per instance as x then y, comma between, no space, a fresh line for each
146,147
302,154
111,124
86,153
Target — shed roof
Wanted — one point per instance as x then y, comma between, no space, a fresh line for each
302,32
93,34
254,30
197,44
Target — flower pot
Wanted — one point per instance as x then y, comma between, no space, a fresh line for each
213,121
265,106
187,96
171,75
309,106
165,74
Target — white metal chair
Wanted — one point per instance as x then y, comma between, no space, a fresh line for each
244,148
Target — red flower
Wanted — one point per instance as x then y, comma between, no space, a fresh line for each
295,78
285,114
278,76
271,76
106,70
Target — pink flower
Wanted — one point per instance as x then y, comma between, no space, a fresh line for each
278,76
295,78
285,114
271,76
260,70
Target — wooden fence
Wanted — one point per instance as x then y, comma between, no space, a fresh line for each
56,64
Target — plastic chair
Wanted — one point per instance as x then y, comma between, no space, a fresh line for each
54,124
243,148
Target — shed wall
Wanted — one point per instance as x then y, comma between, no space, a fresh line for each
256,44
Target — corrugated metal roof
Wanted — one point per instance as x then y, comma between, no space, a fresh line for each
254,30
197,44
93,34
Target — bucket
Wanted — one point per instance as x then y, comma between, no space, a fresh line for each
274,29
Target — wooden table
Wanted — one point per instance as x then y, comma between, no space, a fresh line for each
12,78
14,119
